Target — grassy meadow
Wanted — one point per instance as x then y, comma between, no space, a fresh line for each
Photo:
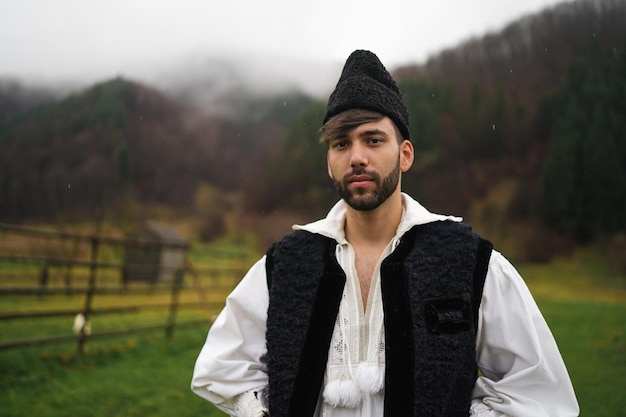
583,301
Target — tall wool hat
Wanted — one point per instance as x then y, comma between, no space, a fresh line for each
366,84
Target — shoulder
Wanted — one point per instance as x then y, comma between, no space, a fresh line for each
503,277
443,231
298,242
297,251
451,239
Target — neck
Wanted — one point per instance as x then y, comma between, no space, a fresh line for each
374,227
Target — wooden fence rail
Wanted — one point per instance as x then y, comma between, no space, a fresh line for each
187,283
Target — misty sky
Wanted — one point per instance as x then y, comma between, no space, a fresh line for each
89,39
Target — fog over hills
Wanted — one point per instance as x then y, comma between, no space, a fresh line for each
225,84
519,126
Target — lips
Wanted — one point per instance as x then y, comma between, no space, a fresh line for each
360,181
359,178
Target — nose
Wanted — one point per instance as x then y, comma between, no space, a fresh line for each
358,156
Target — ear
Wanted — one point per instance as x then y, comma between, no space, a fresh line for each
407,154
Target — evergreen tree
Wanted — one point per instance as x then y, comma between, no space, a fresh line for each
584,183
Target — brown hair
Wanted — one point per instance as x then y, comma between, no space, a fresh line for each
342,123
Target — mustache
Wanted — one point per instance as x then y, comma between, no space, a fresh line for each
361,172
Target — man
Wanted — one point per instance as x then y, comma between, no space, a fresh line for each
381,308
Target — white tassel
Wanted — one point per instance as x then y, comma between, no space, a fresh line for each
370,377
81,325
342,394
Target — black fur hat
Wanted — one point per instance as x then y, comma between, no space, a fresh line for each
366,84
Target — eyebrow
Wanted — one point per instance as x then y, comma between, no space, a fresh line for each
365,133
373,132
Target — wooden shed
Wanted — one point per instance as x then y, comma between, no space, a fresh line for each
158,261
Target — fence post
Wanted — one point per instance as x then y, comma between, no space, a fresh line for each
171,320
68,279
93,269
44,276
69,267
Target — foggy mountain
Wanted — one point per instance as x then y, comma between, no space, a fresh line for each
494,120
230,85
120,141
17,97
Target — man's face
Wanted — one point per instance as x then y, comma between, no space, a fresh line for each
365,165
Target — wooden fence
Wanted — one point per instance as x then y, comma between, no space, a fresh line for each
45,273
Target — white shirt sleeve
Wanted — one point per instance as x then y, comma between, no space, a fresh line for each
523,371
231,361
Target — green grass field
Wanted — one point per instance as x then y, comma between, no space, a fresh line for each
583,302
136,376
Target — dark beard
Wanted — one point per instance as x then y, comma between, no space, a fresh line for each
358,199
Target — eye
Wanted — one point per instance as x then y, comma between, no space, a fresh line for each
375,141
340,144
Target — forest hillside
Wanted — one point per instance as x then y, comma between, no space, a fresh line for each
519,131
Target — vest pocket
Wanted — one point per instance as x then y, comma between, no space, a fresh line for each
447,315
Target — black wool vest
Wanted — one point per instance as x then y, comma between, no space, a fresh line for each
431,289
